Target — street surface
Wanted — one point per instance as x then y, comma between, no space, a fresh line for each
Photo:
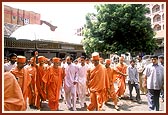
125,105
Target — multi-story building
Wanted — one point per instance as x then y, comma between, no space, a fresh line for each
20,17
156,15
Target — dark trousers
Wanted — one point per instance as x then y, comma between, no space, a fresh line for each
136,88
153,99
162,94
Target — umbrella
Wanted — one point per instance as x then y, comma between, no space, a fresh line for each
34,32
43,32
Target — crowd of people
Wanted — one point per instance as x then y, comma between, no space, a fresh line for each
29,82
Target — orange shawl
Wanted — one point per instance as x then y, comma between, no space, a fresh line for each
97,78
13,97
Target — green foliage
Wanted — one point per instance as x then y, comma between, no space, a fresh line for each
122,27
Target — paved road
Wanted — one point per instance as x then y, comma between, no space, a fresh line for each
124,105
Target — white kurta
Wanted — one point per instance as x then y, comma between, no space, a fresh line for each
71,76
62,92
81,86
8,66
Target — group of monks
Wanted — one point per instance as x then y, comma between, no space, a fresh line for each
31,84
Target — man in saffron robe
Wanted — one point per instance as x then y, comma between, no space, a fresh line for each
110,91
121,69
22,75
13,97
53,79
33,73
41,86
96,84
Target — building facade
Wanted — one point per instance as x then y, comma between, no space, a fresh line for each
15,18
158,22
79,31
20,17
46,48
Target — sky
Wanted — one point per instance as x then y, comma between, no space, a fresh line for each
66,16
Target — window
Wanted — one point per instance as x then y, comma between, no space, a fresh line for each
20,19
14,17
156,8
157,28
26,21
162,6
158,19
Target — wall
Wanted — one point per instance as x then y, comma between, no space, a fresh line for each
20,17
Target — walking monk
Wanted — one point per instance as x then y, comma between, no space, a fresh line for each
121,69
53,79
33,73
41,86
13,97
22,75
96,84
110,91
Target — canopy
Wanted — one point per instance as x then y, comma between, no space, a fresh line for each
43,32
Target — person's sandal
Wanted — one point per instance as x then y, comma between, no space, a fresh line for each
117,108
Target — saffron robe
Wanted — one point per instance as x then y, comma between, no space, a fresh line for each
53,79
24,81
110,90
122,68
33,98
13,97
96,84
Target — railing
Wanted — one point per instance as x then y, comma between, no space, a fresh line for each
27,44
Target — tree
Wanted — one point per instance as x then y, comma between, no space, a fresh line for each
121,27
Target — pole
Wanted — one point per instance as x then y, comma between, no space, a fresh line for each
35,41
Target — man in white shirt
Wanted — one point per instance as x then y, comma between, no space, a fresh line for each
161,62
81,86
12,62
62,92
70,83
